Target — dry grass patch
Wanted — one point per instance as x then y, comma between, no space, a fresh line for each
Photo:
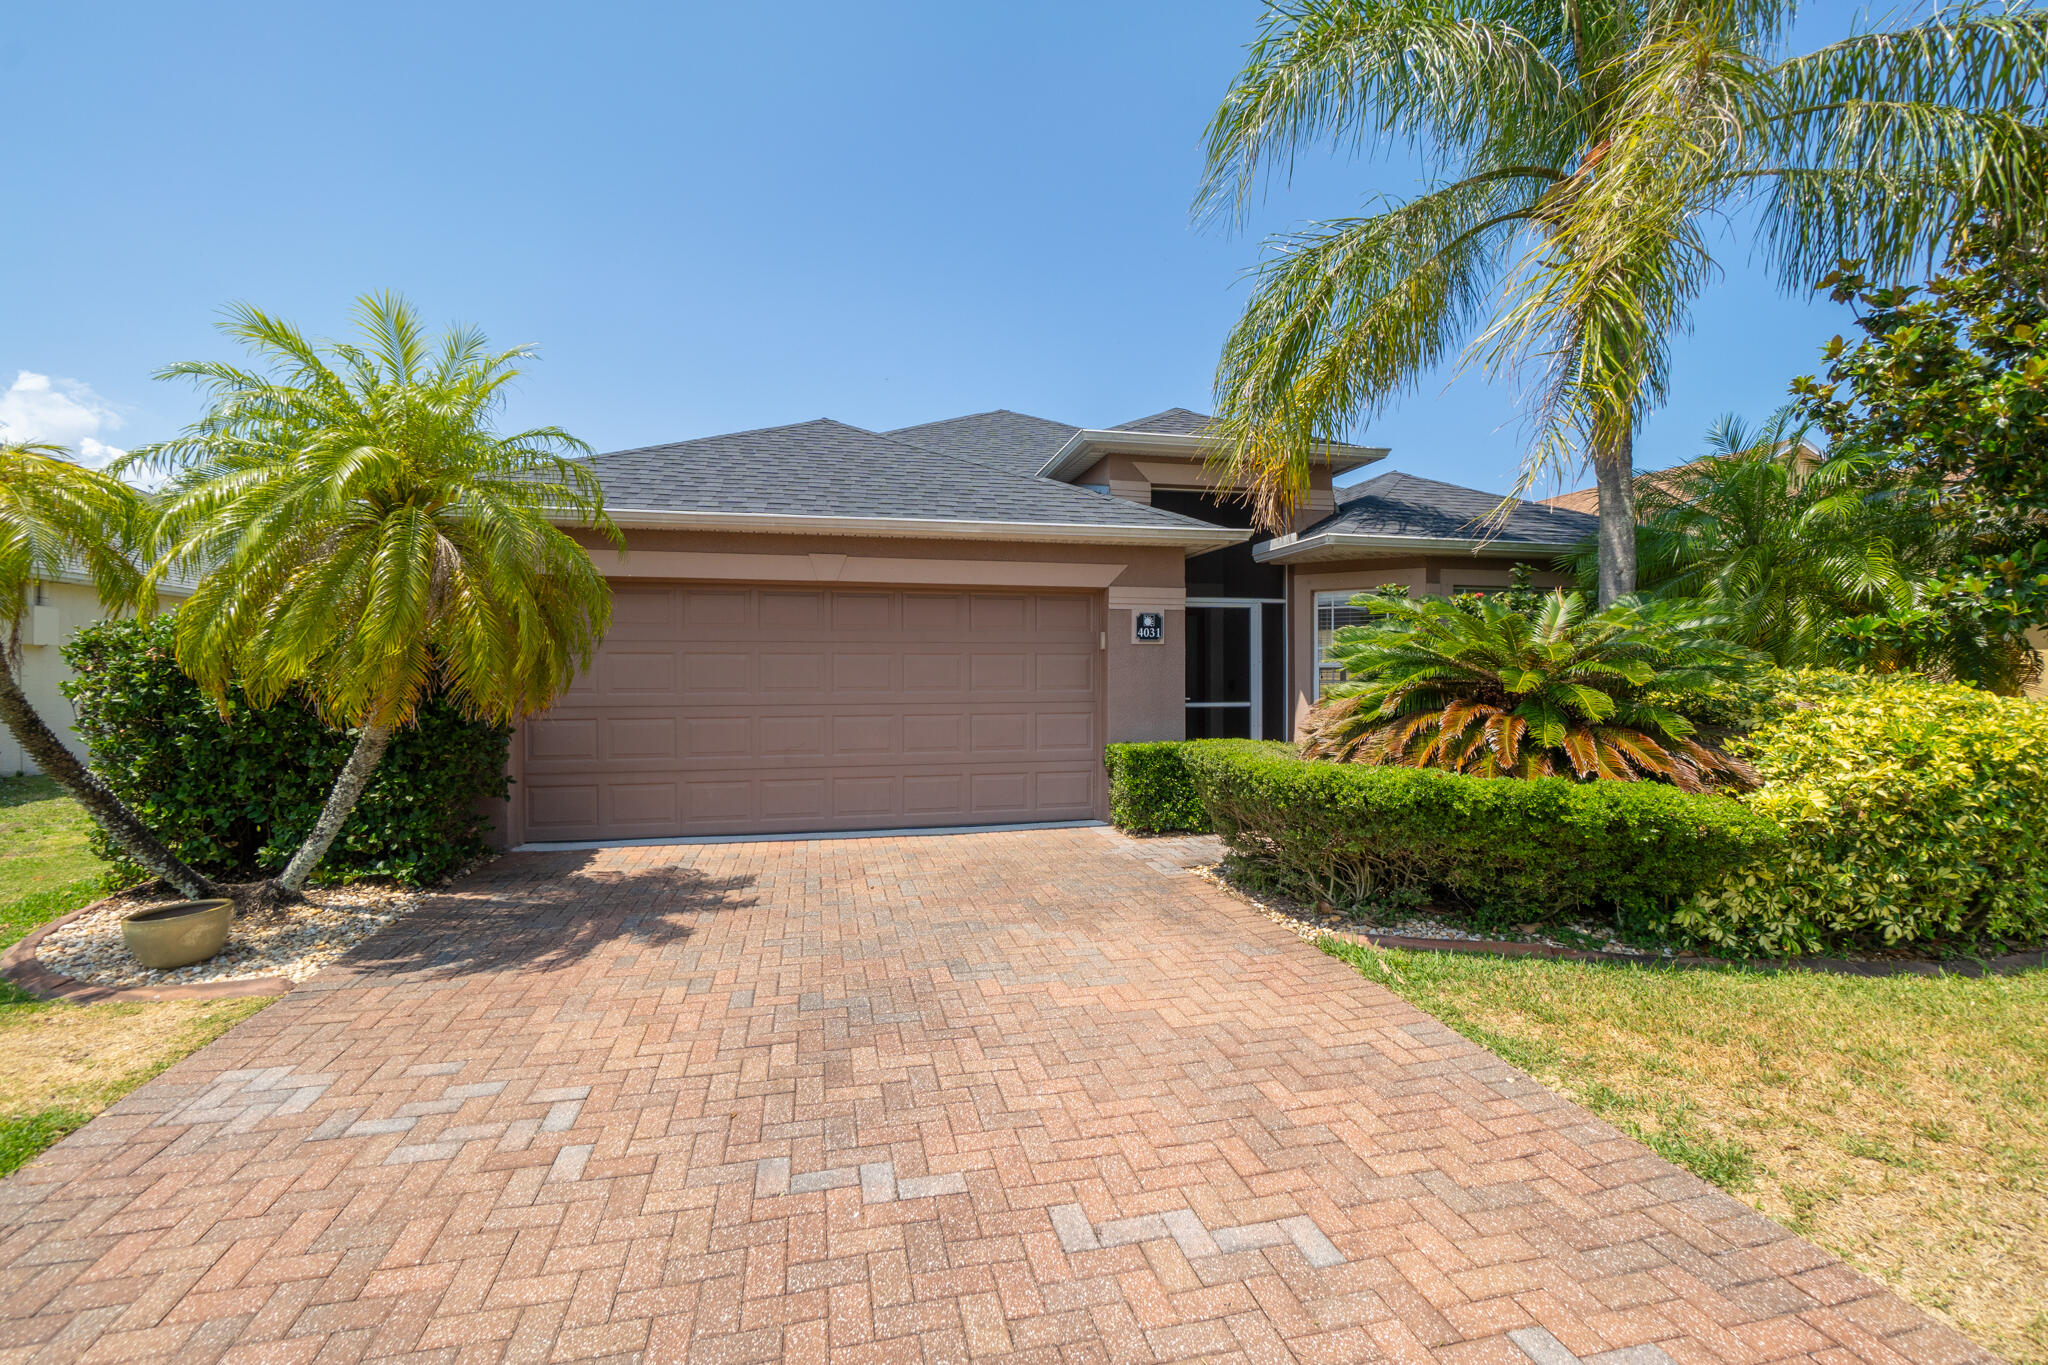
1901,1123
62,1064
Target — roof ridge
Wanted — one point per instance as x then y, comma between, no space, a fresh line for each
747,431
1034,479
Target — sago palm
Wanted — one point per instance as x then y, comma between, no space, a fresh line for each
57,519
1482,689
1780,545
363,536
1577,156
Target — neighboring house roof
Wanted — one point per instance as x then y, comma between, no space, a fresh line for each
1014,440
826,476
1397,512
1588,499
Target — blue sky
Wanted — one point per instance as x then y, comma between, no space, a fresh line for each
709,217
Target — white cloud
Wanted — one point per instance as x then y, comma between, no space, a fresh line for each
39,408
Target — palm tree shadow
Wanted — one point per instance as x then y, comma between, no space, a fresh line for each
543,912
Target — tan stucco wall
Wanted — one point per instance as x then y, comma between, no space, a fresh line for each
1433,576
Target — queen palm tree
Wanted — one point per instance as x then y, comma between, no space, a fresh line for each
362,536
1577,155
1781,546
58,517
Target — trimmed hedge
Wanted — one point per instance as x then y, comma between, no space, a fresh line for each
1151,790
1912,810
1355,835
234,794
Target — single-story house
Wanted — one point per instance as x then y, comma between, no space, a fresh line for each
817,627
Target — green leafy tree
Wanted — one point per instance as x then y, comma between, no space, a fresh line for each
365,538
1782,543
1577,157
1948,387
1483,689
58,517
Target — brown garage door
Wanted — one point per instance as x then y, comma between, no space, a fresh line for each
744,709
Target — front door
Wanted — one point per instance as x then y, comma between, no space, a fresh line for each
1235,669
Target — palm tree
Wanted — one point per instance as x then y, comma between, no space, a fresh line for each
1484,689
1781,546
364,537
57,517
1577,155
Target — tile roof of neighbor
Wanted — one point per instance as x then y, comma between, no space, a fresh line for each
829,469
1397,504
1172,422
1015,441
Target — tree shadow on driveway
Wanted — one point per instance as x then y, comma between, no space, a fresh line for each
542,912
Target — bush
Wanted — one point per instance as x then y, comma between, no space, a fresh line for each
1912,810
234,793
1151,791
1536,848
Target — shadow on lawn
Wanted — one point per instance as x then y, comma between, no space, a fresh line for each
542,912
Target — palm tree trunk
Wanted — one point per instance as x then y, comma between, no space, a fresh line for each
1614,470
60,764
348,786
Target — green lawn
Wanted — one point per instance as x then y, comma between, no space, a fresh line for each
62,1064
1900,1122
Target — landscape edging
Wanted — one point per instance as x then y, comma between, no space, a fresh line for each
20,965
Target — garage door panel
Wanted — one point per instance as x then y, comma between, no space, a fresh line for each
764,708
636,737
637,674
858,671
926,672
712,608
785,673
999,672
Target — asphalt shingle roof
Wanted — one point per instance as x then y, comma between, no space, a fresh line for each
1172,422
1396,504
1015,441
828,469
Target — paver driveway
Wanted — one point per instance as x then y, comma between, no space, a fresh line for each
1029,1096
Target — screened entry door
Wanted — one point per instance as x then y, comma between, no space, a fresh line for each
1236,669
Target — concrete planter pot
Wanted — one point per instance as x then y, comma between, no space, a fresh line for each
178,934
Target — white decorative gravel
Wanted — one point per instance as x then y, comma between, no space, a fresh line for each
293,944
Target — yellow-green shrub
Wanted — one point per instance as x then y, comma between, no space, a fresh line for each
1912,810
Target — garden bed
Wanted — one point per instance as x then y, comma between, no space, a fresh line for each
283,946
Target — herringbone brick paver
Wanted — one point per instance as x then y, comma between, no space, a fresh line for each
1023,1097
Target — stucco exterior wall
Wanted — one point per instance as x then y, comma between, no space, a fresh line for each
42,671
1432,576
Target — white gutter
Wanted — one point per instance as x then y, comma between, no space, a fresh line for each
1084,447
1334,544
920,528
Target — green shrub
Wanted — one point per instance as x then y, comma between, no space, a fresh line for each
1357,835
1912,810
1150,791
234,794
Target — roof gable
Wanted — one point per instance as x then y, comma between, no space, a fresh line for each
1406,506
